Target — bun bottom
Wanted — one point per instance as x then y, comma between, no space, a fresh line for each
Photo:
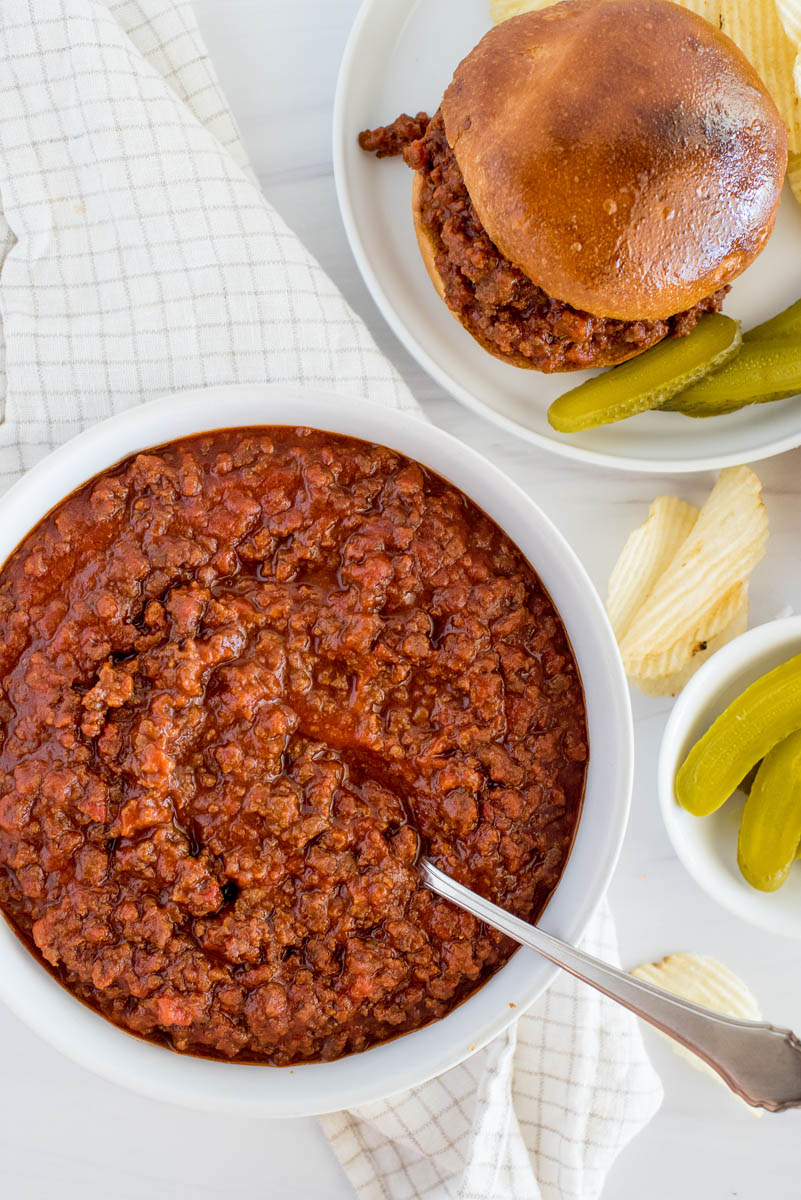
609,357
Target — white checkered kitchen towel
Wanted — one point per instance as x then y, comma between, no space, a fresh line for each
138,257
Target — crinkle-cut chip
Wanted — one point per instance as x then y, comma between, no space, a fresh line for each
671,685
790,16
644,557
705,981
794,175
754,25
794,161
691,601
502,10
653,554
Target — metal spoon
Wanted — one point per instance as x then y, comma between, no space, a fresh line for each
759,1062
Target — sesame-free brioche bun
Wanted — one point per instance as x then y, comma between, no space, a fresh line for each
623,154
610,356
427,244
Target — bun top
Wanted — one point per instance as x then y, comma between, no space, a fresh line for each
624,154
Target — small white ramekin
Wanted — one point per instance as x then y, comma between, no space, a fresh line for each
708,845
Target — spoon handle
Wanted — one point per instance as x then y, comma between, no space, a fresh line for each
759,1062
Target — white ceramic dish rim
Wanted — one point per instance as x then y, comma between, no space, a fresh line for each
766,911
264,1091
342,134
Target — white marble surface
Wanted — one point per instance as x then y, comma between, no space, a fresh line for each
278,63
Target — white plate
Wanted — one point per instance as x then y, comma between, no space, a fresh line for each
400,58
708,845
56,1015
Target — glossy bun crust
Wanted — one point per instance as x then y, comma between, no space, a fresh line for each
428,251
610,354
624,154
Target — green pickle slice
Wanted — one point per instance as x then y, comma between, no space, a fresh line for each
761,372
770,831
649,380
786,324
766,713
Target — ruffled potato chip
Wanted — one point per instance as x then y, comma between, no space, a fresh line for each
676,595
794,164
790,16
501,10
794,175
671,685
696,597
705,981
644,557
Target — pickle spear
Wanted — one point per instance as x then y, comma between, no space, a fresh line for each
766,713
761,372
785,325
650,379
770,831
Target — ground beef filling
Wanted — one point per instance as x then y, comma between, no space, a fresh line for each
243,678
496,301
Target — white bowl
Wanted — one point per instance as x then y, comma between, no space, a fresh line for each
708,845
264,1091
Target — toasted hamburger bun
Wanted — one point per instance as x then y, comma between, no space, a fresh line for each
428,251
623,154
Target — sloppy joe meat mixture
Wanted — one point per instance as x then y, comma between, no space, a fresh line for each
498,303
244,678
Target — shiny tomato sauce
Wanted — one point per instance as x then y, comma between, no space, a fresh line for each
244,678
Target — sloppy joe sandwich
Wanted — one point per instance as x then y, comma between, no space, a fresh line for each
597,175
